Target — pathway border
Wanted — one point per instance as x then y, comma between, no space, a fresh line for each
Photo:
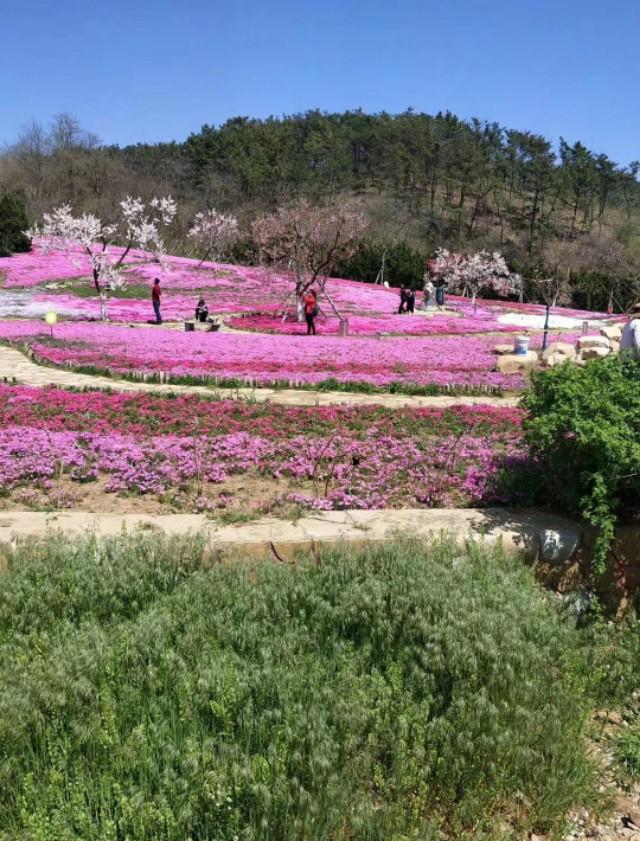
533,533
16,366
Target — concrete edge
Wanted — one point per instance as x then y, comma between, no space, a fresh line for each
529,533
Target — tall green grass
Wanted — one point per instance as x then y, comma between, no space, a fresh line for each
390,693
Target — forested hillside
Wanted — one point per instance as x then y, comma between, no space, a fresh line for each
426,181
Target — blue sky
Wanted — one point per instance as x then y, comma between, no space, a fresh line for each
147,70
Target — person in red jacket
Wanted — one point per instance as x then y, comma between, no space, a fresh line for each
310,301
155,299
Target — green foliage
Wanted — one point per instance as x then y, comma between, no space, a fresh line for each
389,693
584,430
611,654
13,224
627,751
403,265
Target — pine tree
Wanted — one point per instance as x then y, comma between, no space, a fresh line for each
13,224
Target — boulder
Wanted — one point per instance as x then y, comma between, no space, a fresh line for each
557,547
517,363
614,346
594,353
613,332
593,341
559,348
557,358
501,350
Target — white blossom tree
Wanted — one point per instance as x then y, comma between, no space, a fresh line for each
211,232
309,241
88,237
471,274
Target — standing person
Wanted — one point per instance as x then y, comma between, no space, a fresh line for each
630,341
155,299
411,300
310,301
403,300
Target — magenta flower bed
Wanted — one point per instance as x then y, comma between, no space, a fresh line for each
336,457
406,324
262,359
33,268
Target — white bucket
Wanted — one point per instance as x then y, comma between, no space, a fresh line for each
521,346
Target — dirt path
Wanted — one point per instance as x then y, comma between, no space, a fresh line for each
16,367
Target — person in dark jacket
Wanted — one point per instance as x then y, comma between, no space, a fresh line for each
404,300
155,299
202,311
411,300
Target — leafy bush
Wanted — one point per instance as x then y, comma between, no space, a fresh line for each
13,224
403,265
584,429
390,693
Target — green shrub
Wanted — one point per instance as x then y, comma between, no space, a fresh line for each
403,265
13,224
384,694
584,430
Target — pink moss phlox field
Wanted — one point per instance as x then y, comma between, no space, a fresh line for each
33,268
141,414
340,457
264,359
230,288
362,325
244,289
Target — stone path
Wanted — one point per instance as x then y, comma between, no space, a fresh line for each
528,531
15,366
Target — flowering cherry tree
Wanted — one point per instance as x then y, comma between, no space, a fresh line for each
81,237
309,241
212,231
470,274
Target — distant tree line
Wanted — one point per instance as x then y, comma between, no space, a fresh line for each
425,182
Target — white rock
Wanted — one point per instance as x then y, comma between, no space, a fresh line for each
557,358
613,332
556,547
594,352
501,350
559,347
592,341
517,363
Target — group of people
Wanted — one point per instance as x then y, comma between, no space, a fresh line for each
309,302
202,310
630,335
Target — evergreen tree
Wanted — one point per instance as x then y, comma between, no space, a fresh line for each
13,224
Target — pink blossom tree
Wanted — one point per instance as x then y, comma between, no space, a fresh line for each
211,232
309,241
473,273
137,225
